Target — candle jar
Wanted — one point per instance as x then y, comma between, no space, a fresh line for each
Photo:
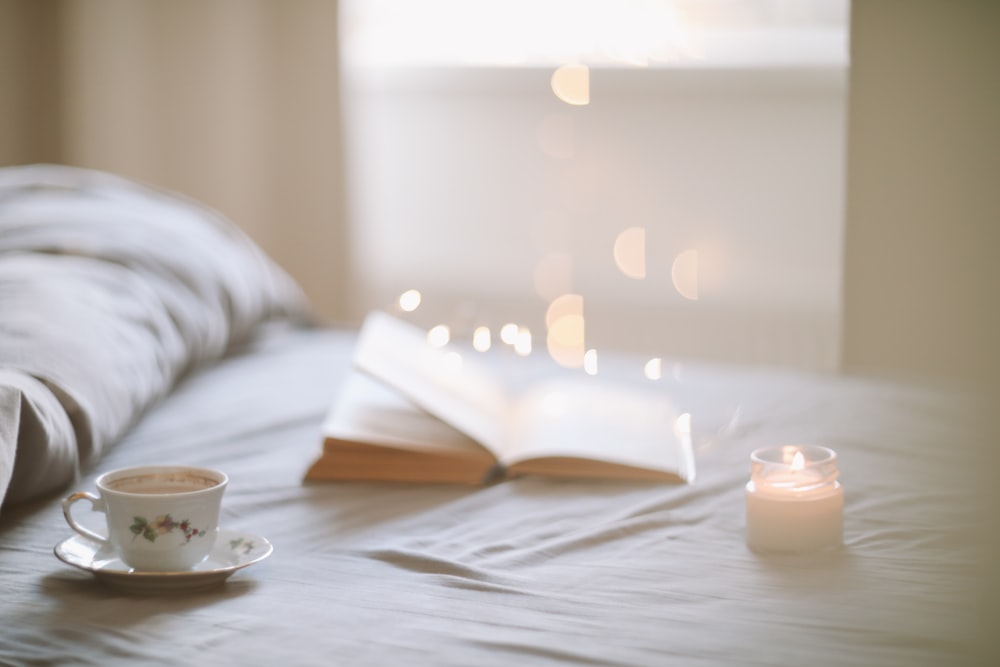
794,502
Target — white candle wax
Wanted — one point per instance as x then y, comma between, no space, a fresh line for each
793,499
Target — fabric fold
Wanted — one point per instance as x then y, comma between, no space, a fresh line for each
110,291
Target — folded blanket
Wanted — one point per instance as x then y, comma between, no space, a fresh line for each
109,292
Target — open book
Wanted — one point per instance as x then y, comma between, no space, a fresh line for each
413,412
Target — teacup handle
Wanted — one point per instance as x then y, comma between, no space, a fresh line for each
97,505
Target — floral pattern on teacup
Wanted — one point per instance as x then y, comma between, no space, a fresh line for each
162,525
240,545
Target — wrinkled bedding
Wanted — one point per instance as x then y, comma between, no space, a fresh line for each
529,571
215,369
109,292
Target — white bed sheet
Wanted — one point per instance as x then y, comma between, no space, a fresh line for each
533,571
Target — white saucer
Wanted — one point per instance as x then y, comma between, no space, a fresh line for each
233,550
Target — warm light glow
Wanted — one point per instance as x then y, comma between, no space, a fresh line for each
522,345
565,341
653,369
571,84
565,330
439,336
682,426
590,362
409,300
684,273
508,333
630,252
798,461
481,339
563,306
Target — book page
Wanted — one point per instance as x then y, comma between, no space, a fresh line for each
587,418
369,412
449,385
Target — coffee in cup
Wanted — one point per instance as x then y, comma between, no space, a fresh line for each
159,518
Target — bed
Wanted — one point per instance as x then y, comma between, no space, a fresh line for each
139,327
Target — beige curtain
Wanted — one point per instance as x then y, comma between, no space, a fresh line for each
922,277
232,102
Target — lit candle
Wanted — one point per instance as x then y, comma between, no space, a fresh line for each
793,499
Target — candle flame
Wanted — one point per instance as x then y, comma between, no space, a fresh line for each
798,461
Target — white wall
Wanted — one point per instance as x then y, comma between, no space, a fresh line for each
453,192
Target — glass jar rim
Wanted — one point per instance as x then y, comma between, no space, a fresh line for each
813,455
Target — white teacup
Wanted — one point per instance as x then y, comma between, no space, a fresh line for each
159,518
